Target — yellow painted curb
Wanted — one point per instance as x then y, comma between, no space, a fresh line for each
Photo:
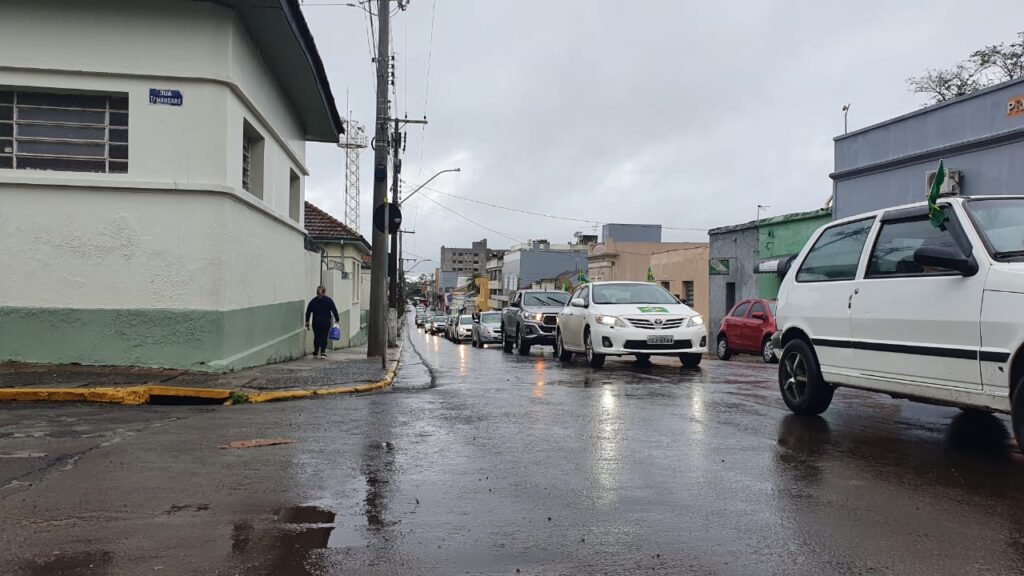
135,395
281,395
128,395
177,391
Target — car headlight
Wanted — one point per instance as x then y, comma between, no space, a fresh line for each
534,316
697,320
610,321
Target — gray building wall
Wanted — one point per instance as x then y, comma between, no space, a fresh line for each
885,165
631,232
529,266
466,261
739,245
448,280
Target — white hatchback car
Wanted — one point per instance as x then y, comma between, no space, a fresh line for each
888,302
629,318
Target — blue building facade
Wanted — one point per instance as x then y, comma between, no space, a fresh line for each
981,135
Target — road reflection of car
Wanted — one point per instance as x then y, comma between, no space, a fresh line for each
748,329
621,318
463,330
437,324
891,302
487,329
530,319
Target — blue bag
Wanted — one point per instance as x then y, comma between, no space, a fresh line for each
335,333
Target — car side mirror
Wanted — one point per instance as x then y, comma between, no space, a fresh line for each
578,302
942,257
757,315
513,305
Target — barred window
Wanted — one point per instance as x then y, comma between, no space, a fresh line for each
66,132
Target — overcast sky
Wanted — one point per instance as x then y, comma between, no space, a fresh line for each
680,113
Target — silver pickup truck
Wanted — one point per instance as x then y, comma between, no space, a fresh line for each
530,318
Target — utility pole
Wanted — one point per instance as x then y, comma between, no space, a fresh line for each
396,163
377,344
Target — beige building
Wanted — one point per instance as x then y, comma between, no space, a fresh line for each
343,273
681,267
684,272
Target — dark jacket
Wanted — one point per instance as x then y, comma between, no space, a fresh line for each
322,307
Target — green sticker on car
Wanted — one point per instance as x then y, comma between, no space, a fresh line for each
653,309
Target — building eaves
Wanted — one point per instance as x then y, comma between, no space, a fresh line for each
927,109
281,35
322,227
795,216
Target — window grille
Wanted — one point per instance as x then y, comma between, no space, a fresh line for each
65,132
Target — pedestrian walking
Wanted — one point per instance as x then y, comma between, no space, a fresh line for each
321,309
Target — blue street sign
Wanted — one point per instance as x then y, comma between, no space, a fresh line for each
165,97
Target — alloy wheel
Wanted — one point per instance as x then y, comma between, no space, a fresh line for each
795,386
768,351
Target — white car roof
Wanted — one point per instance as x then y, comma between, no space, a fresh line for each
942,199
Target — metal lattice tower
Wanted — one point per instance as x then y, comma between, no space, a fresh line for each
352,142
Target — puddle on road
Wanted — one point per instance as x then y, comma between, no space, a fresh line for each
287,547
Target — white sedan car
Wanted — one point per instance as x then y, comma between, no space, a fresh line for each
623,318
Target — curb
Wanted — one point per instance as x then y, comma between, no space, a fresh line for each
137,395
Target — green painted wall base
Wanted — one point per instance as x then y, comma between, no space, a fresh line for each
360,338
206,340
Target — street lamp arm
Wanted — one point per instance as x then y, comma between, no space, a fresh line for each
418,188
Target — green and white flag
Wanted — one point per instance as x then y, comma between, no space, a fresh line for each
935,214
650,274
581,276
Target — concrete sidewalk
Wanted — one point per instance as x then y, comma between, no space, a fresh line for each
343,371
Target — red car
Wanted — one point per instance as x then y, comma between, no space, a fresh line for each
748,329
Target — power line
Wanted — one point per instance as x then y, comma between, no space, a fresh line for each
470,220
426,89
552,216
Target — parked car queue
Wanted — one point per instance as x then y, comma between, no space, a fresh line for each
596,320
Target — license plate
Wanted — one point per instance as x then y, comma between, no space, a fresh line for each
661,339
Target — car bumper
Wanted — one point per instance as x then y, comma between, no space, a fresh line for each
777,343
464,334
489,337
623,341
534,333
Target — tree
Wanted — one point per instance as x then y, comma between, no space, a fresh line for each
985,67
471,282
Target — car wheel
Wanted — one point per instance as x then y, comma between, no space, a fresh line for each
1017,413
593,358
722,349
506,344
524,348
560,352
690,360
800,381
768,351
643,358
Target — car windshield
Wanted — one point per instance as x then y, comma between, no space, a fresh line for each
466,320
632,294
490,318
772,306
438,318
1001,222
545,299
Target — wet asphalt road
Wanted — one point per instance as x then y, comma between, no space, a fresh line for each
483,462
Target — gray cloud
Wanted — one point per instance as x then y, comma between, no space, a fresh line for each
680,113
